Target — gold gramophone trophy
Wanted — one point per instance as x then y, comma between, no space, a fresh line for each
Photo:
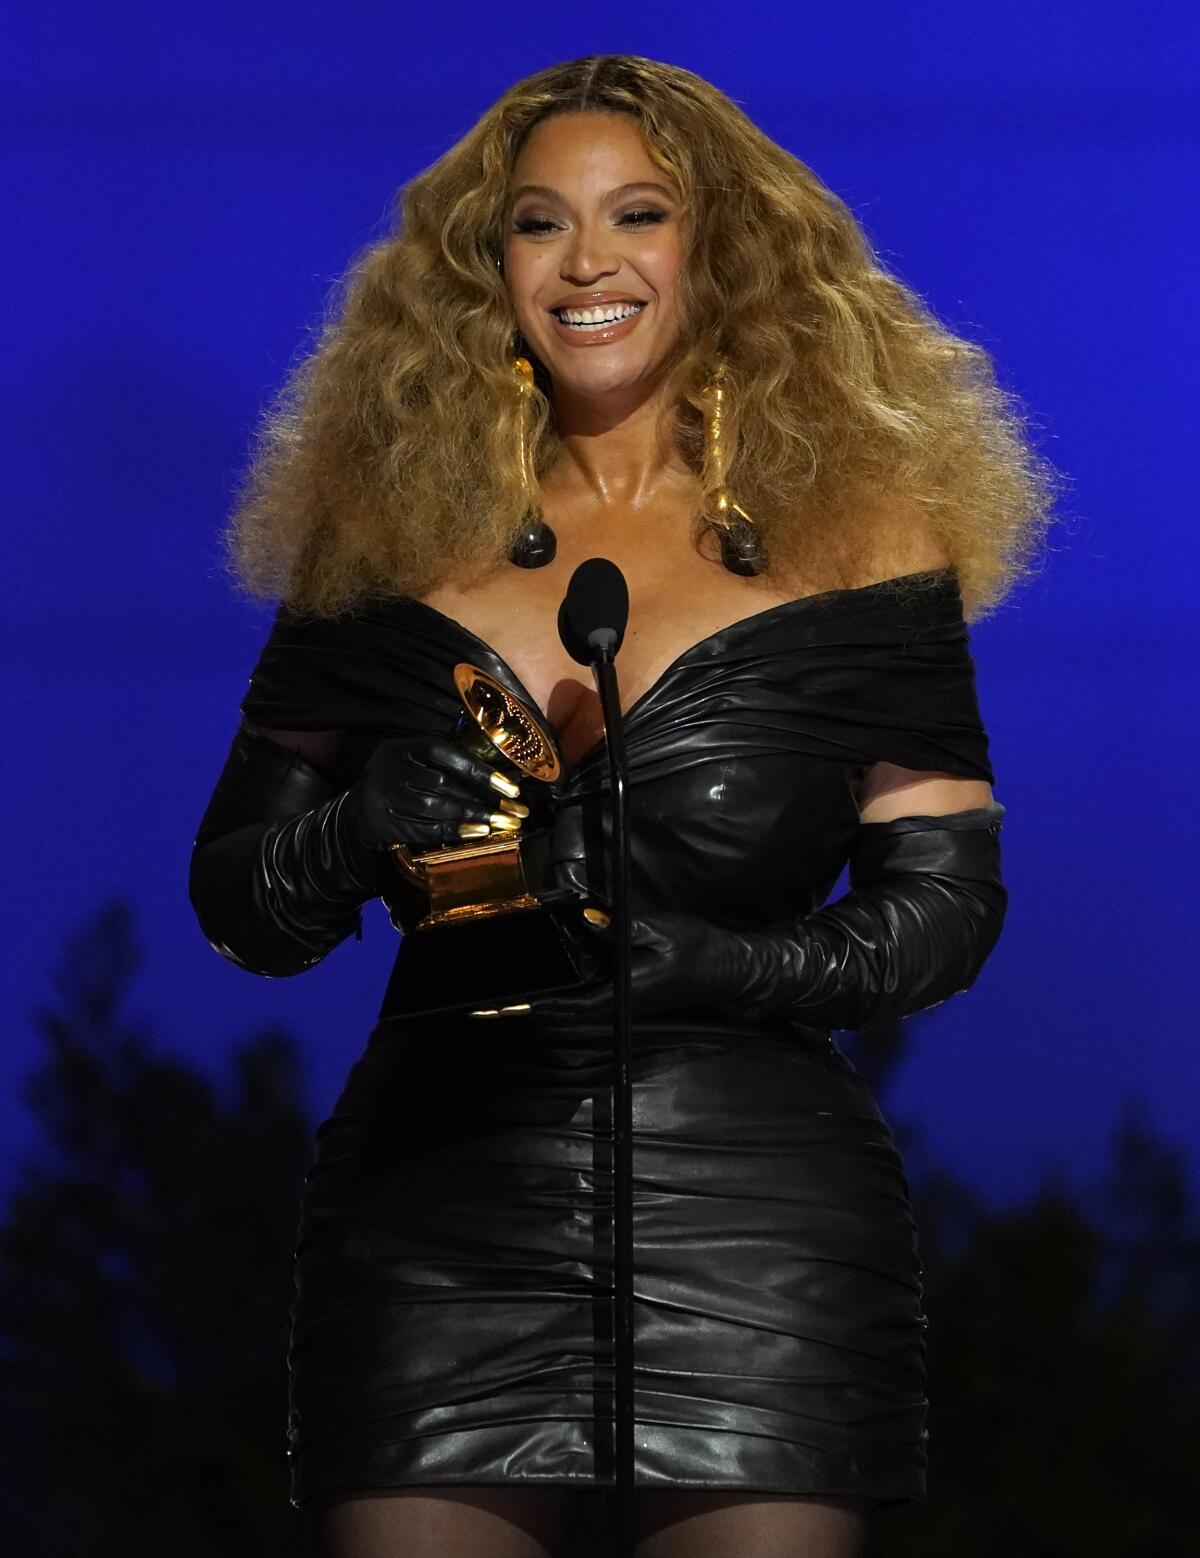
492,902
503,872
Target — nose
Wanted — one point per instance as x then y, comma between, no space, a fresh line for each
586,258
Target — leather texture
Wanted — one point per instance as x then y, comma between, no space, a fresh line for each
926,909
256,883
452,1318
282,862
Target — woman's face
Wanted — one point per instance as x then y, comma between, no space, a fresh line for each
593,249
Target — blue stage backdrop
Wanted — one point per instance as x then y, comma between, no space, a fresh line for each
182,187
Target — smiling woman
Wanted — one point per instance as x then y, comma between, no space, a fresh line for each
566,247
692,316
401,430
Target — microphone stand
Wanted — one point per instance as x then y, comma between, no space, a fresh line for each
603,643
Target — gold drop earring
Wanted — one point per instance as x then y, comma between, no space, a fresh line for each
742,550
535,543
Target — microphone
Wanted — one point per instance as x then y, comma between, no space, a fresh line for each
591,624
594,612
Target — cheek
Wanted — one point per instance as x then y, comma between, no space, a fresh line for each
666,269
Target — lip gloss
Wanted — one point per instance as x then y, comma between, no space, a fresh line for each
613,332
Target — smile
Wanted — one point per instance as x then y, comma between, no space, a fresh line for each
588,319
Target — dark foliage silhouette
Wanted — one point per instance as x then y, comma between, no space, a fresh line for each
145,1275
1064,1362
144,1282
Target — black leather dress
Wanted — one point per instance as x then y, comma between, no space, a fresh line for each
452,1320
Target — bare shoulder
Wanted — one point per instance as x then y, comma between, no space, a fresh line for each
888,791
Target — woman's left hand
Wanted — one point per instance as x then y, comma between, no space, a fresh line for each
679,961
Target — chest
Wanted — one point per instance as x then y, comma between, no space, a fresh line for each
674,603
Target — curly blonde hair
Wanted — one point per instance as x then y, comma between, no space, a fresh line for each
391,456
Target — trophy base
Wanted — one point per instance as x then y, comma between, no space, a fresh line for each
486,964
505,874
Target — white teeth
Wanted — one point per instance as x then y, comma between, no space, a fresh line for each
593,318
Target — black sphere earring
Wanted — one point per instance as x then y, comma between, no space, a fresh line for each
535,543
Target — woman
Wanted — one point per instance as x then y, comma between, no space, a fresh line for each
799,694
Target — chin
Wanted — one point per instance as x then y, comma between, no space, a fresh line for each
601,378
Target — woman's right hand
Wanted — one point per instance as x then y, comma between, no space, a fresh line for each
424,792
283,861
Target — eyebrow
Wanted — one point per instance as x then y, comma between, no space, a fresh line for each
547,193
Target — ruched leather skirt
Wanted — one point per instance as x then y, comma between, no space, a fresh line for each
452,1318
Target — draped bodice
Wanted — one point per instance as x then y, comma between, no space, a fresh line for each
743,754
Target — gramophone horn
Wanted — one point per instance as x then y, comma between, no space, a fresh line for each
507,723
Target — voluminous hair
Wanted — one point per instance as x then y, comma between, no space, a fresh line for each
390,460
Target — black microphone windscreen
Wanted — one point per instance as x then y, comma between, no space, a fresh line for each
597,601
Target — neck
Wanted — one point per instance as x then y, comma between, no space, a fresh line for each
617,451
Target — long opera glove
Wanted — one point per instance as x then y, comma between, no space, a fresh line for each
268,882
925,909
283,861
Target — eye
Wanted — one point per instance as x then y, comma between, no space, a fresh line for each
540,225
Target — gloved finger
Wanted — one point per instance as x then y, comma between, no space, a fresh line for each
593,1003
431,766
446,807
651,994
651,990
652,933
654,982
424,772
596,922
653,967
438,834
644,933
432,795
472,773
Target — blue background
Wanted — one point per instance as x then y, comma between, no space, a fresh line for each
181,189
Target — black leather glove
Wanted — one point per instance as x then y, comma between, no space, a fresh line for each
283,862
925,909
